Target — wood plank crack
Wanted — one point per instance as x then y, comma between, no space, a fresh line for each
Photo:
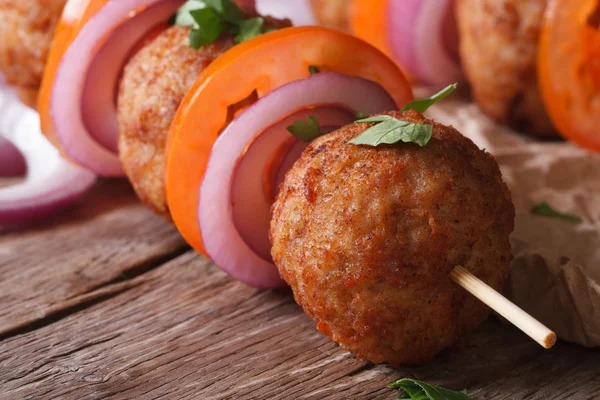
127,280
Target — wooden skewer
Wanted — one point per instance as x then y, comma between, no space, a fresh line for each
525,322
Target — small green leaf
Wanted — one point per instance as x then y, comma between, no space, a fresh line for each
360,115
228,9
183,16
306,130
313,70
389,130
544,209
423,104
249,28
377,118
419,390
209,27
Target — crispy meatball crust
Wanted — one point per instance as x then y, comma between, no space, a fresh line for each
332,13
154,82
366,237
26,31
498,48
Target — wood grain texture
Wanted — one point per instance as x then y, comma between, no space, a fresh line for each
68,261
185,330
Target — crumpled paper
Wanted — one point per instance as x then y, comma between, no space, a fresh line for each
555,274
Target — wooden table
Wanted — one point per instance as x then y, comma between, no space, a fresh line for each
107,301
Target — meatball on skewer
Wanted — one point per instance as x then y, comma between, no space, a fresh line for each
25,38
498,46
367,238
154,82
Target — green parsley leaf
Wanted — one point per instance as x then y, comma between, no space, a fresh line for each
183,16
544,209
228,9
249,29
419,390
423,104
360,115
313,70
306,130
209,27
210,18
389,130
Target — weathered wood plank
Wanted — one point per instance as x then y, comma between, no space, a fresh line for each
187,331
67,261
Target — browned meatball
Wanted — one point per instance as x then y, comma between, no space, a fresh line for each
154,82
366,238
332,13
26,31
498,46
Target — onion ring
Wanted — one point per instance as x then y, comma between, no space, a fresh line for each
51,182
219,194
252,215
84,86
12,162
419,35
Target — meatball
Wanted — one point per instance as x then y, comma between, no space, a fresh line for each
26,35
154,82
367,236
498,48
332,13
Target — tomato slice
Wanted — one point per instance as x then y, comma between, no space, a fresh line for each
368,21
257,67
569,69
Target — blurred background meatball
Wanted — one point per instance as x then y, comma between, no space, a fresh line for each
26,31
366,238
498,48
332,13
154,82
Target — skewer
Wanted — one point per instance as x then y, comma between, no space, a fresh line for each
522,320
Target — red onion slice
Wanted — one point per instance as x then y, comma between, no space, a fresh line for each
12,162
419,33
292,154
70,99
251,214
98,103
51,183
225,188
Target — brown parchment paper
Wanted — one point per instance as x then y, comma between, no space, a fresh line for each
555,274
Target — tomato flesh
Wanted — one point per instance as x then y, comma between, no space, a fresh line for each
569,69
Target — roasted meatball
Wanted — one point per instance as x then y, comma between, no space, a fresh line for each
26,31
154,82
332,13
367,236
498,47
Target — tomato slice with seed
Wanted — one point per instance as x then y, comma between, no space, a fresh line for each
569,69
257,66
